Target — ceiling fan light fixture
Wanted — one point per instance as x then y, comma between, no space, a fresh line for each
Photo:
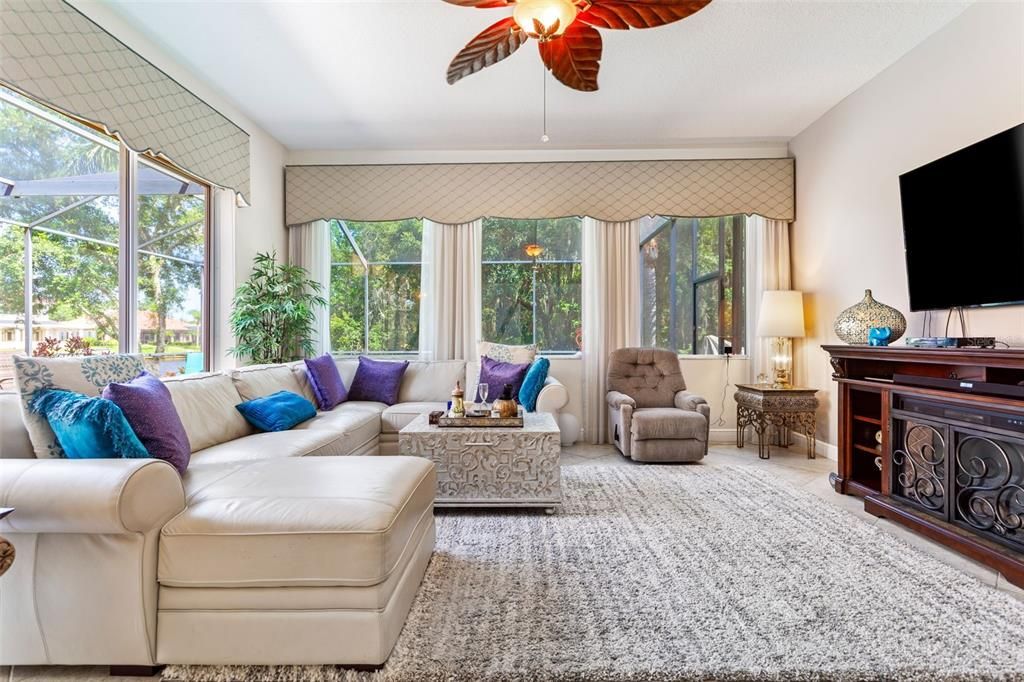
545,19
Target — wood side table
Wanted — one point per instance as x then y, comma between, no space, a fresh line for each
780,409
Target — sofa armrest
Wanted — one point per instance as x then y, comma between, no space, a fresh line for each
553,397
92,496
617,400
691,402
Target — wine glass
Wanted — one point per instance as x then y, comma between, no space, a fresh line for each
482,390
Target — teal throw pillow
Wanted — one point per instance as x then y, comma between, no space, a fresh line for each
87,428
278,411
533,383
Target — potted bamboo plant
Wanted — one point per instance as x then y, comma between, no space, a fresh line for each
274,312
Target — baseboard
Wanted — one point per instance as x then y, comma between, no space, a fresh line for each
821,448
721,436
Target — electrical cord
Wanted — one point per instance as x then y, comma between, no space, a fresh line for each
725,391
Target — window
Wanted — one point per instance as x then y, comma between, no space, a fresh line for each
692,284
375,286
171,231
61,197
532,282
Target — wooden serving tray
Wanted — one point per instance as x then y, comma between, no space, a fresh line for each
481,422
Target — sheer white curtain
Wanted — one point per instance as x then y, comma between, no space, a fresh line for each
450,290
223,277
611,310
768,268
309,246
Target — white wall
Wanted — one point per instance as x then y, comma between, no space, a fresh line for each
260,226
964,83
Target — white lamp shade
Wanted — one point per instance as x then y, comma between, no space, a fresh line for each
781,314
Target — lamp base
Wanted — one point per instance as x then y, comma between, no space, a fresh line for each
781,362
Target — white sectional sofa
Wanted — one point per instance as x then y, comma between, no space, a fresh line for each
259,554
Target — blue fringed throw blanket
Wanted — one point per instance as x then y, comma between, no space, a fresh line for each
87,428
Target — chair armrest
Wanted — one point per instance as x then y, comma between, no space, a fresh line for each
92,496
691,402
553,397
616,399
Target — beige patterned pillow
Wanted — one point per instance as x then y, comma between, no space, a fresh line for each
518,355
88,375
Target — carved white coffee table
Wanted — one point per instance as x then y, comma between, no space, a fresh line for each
491,467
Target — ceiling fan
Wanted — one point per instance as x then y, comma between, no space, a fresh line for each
566,31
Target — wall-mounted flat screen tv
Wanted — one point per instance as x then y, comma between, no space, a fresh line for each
963,226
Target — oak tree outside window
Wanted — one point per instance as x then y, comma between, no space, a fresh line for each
67,244
375,286
532,282
692,284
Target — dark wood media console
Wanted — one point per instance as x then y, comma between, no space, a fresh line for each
946,463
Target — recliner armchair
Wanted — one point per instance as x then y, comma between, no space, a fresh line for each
651,415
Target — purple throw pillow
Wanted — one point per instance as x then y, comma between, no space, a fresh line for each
496,374
328,387
147,405
377,381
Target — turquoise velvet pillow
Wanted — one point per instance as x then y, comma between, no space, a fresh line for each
87,428
533,383
278,411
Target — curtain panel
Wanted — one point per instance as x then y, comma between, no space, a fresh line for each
55,54
611,310
309,246
450,290
606,190
223,263
768,268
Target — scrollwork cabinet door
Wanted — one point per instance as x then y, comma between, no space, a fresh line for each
988,485
920,464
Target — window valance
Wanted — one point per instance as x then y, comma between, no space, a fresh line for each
52,52
606,190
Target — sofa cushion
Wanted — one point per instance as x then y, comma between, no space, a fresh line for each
505,353
358,426
377,380
426,382
326,382
278,411
271,445
87,427
659,423
396,417
497,375
314,521
206,405
86,375
258,381
534,383
148,407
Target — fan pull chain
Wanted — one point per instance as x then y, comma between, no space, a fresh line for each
544,74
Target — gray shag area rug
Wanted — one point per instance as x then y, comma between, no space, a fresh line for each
683,573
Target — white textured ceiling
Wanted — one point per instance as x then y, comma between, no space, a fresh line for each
370,74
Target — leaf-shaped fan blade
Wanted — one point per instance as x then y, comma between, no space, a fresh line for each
492,45
575,58
481,4
623,14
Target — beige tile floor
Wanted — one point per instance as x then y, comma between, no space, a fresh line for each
790,465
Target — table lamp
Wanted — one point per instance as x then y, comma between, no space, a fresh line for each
782,318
